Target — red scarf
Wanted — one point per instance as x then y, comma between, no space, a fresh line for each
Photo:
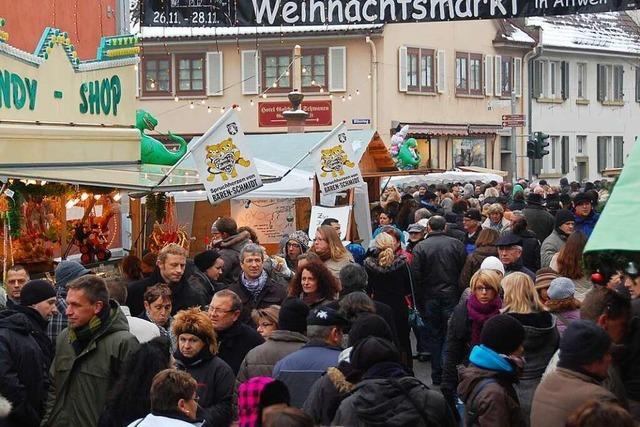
480,313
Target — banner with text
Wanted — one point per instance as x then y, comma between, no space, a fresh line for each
223,160
250,13
320,213
335,162
270,218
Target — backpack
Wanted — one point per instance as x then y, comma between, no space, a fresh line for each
470,409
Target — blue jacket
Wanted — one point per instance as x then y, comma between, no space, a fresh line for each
586,225
314,356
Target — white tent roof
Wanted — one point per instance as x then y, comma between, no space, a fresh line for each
442,178
296,184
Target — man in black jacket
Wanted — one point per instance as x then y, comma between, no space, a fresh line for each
189,287
540,221
436,267
27,352
510,252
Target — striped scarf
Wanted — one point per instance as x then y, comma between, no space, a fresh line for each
82,336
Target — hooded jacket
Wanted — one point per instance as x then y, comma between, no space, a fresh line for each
551,246
96,368
23,369
327,393
229,250
586,225
539,220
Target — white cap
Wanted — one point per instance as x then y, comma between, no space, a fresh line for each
423,222
492,263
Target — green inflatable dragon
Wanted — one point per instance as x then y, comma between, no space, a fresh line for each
153,151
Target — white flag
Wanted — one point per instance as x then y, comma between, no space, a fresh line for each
335,162
224,162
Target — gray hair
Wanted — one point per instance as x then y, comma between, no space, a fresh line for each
236,302
353,278
422,213
317,332
251,248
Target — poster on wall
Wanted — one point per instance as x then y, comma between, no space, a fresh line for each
230,13
223,160
320,213
335,162
270,218
469,152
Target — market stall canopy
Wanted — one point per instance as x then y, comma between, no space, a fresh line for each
447,177
617,227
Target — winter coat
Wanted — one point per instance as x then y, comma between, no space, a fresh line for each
143,330
456,231
504,225
191,291
327,393
497,402
389,285
517,205
551,246
96,369
561,393
630,363
519,267
530,250
392,402
229,250
23,368
564,318
473,263
164,421
586,225
436,267
234,344
273,293
313,356
335,266
470,240
260,360
539,221
215,388
540,343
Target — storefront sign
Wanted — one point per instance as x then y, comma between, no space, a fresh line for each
270,113
335,162
228,13
222,157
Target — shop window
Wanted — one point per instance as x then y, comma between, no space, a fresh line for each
276,75
469,152
314,69
156,71
190,71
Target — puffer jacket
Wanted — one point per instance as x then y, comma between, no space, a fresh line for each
327,393
229,249
95,369
551,246
260,360
437,263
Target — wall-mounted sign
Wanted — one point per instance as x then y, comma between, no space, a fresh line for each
360,121
228,13
270,113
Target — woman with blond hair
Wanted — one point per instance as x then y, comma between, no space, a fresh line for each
329,248
466,324
390,283
495,218
266,319
197,354
522,302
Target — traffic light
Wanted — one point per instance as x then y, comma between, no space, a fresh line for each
531,149
541,144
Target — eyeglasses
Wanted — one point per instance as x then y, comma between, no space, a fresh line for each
219,310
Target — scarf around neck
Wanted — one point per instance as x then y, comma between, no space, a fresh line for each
479,313
80,337
255,286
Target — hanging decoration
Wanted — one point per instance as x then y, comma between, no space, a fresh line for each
404,151
167,230
157,206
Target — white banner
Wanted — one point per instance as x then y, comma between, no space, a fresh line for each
335,162
320,213
224,163
270,218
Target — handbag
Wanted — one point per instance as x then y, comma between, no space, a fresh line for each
415,319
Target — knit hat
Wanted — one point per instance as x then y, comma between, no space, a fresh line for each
35,291
366,325
534,199
492,263
582,198
563,216
544,276
502,334
67,271
373,350
293,315
274,393
583,342
204,260
561,288
249,394
301,238
473,214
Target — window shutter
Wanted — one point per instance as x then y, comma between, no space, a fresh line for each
601,86
564,146
488,75
618,152
618,73
337,69
442,71
602,152
138,71
517,76
637,84
536,91
215,80
498,75
564,74
250,72
402,69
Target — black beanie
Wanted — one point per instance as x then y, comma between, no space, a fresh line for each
583,342
502,334
293,315
35,291
369,324
204,260
563,216
273,393
373,350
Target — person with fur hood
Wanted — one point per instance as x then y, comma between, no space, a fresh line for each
197,354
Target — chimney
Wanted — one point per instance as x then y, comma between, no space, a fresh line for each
295,117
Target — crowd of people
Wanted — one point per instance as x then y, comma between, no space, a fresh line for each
488,278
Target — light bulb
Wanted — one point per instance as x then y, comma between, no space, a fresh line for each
176,99
321,90
251,102
135,67
330,96
203,102
208,110
369,76
97,196
304,70
349,97
275,84
357,91
153,85
117,197
343,98
238,108
264,96
221,110
191,106
286,73
84,196
313,82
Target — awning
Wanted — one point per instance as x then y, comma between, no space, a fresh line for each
436,129
478,169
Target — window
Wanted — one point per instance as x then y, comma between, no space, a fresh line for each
581,144
507,69
275,70
314,69
157,75
420,73
190,69
468,73
551,161
550,79
469,152
610,83
610,152
582,80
